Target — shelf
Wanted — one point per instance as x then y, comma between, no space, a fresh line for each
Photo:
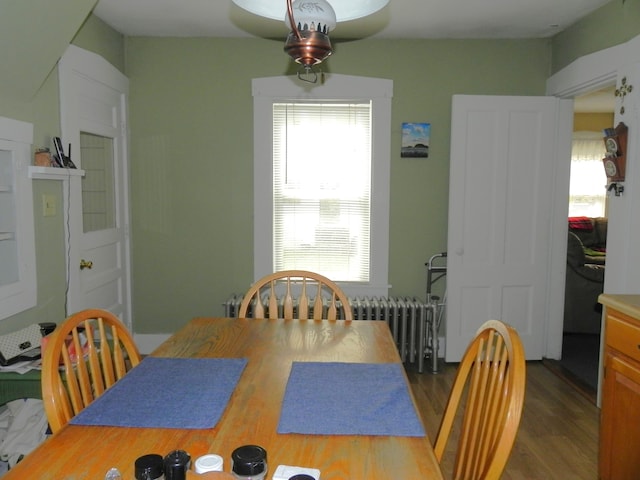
53,173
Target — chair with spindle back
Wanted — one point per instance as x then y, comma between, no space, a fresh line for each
300,294
85,355
493,372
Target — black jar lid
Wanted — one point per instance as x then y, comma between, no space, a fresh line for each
302,476
148,467
249,460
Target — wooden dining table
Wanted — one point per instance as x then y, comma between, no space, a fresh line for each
252,414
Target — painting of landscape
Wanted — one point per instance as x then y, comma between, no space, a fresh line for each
415,140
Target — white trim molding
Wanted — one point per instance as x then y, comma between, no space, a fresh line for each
268,90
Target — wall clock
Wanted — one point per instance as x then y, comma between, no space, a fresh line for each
615,142
610,167
611,145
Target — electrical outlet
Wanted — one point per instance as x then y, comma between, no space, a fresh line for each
48,205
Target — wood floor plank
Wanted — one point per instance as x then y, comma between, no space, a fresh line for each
558,435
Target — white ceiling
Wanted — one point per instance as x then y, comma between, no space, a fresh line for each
399,19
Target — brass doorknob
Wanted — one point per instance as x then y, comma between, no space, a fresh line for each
85,264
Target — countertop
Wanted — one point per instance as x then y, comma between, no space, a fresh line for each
627,304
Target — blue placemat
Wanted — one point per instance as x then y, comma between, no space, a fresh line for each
167,393
348,399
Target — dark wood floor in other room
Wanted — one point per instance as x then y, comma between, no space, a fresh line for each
558,436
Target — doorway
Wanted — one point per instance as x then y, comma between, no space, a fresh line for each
586,246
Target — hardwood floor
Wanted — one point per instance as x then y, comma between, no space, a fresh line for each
558,435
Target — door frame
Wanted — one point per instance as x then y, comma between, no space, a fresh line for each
94,67
587,73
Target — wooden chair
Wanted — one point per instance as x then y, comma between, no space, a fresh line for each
317,297
493,373
84,356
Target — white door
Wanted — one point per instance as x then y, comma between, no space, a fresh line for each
506,171
93,98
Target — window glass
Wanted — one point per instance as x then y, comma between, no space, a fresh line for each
321,179
587,191
10,271
98,186
322,188
18,286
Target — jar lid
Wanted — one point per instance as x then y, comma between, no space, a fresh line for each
302,476
209,463
249,460
148,467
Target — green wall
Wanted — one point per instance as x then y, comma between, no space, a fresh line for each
43,110
96,36
192,155
192,152
616,22
33,35
191,143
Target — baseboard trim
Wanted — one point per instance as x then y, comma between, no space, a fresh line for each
148,342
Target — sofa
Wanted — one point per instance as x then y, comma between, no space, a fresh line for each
592,232
584,275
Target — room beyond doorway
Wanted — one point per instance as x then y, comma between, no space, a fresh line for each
579,363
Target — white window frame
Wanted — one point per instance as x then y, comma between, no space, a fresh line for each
16,138
269,90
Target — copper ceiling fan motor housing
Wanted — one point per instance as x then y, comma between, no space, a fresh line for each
308,41
309,48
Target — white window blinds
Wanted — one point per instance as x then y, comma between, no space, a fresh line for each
322,188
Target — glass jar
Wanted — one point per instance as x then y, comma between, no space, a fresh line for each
249,462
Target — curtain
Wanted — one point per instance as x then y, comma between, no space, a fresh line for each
587,190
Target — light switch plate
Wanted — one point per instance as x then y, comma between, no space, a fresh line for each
48,205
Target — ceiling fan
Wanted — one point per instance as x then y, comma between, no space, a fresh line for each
311,21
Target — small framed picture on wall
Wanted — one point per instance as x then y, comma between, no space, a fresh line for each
415,140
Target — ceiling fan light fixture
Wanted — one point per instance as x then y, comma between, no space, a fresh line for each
312,15
345,9
310,21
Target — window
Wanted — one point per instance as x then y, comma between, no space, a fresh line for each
18,290
321,196
325,205
587,192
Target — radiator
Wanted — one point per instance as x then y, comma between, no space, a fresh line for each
409,321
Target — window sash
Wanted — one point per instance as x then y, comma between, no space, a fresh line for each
322,190
587,192
334,87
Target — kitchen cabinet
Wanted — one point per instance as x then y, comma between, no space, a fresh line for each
620,413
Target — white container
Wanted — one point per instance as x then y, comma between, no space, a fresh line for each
209,463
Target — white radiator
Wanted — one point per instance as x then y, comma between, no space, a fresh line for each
408,320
